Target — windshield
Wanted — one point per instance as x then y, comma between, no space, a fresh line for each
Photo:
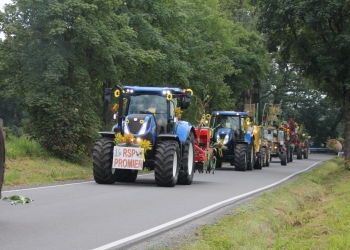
147,103
231,122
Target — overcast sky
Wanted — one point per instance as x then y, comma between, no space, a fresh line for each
2,3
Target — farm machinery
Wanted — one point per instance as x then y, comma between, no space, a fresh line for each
148,135
298,140
233,140
279,148
205,159
276,135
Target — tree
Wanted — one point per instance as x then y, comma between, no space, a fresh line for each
312,35
58,55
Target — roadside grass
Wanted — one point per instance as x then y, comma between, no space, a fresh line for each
29,164
311,212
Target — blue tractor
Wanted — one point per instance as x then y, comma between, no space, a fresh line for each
149,113
233,137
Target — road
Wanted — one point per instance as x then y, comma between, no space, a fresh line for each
91,216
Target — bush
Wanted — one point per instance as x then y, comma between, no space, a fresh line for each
64,125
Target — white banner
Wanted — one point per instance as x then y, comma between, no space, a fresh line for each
127,158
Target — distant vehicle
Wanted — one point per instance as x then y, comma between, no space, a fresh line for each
234,140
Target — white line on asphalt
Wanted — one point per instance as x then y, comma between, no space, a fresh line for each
53,186
170,223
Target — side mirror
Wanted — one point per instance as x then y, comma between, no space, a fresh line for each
187,100
107,95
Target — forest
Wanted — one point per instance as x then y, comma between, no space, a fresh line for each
58,56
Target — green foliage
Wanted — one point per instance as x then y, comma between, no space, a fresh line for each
23,147
65,127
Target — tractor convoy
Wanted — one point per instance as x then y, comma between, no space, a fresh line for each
150,134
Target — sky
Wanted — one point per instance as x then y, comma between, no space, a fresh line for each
2,3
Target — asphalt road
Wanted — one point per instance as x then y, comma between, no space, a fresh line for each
90,216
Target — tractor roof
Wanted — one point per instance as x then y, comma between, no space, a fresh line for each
138,90
229,113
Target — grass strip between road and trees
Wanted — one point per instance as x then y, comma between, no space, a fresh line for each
312,212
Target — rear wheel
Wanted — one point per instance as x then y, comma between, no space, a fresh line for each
125,175
291,155
102,158
187,162
166,165
241,157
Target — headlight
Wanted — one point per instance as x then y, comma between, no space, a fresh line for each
143,128
126,129
226,139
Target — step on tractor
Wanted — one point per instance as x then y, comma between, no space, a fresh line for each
233,140
148,135
278,146
2,155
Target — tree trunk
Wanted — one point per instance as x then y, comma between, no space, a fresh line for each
2,155
347,124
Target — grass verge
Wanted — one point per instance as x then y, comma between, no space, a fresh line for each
310,213
28,163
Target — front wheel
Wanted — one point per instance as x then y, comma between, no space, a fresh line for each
284,159
187,162
102,158
299,154
166,164
251,157
241,157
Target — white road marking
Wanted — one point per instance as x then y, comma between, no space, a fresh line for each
53,186
170,223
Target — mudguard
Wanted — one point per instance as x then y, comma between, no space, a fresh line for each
182,130
248,137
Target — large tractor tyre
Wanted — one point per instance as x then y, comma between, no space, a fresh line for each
187,162
306,154
299,154
251,157
284,159
290,155
241,157
2,156
267,158
167,163
288,152
102,158
125,175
